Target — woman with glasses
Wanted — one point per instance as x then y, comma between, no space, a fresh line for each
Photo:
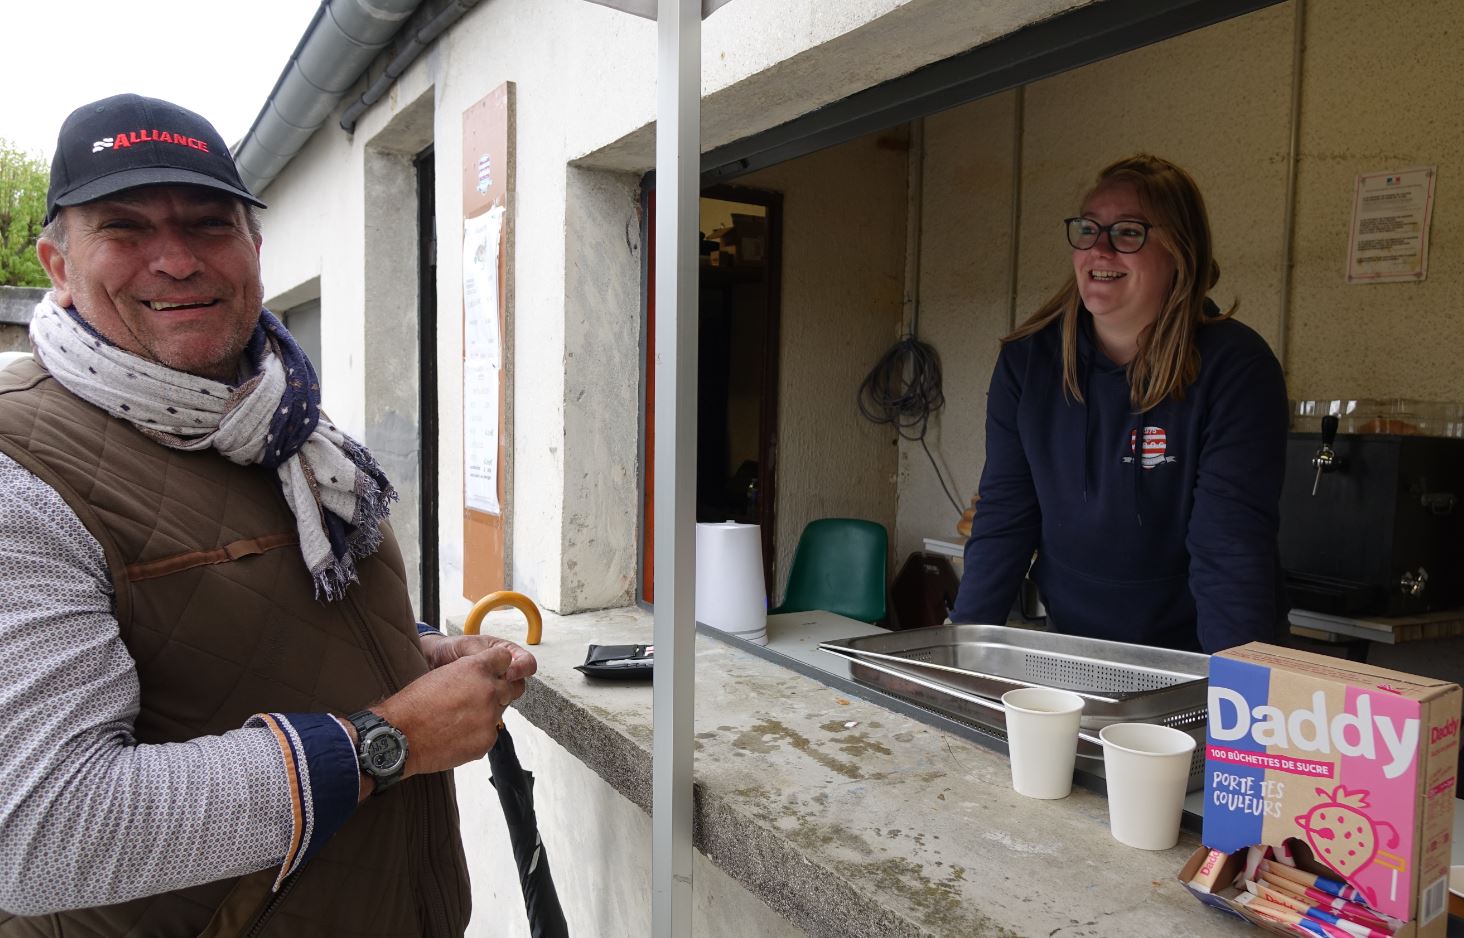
1135,438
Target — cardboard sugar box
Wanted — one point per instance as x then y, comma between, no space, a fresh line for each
1352,763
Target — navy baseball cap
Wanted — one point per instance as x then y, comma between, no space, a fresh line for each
127,141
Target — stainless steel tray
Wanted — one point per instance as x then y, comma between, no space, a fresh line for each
989,717
962,671
1118,682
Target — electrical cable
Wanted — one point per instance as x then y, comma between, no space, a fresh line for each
904,389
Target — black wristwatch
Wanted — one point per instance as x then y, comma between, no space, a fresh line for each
381,749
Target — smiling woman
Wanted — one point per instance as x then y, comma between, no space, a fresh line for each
1135,438
1122,285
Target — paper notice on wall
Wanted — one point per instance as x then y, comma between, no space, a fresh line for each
482,360
1390,220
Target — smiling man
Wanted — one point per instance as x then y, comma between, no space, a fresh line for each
170,273
208,657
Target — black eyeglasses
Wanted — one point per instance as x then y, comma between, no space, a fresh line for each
1127,237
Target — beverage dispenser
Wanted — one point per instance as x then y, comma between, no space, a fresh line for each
1371,519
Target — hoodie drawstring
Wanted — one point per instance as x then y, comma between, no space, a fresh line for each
1087,425
1087,354
1137,435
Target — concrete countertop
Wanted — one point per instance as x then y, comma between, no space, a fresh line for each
850,819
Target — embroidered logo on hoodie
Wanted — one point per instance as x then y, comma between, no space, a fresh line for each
1156,442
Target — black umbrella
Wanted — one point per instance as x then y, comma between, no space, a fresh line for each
515,788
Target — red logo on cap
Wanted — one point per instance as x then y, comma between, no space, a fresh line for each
124,140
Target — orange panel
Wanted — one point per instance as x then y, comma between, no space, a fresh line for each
488,130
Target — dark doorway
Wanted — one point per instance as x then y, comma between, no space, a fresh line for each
737,387
430,611
738,358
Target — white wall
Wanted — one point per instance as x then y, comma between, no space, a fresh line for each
314,231
585,79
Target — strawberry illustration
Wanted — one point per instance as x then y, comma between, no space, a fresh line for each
1341,835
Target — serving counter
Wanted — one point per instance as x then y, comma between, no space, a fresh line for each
848,818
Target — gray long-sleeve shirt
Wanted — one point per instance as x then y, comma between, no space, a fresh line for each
87,815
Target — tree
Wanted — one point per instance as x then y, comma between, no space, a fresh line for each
23,181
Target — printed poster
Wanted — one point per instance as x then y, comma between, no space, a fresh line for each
482,360
1390,220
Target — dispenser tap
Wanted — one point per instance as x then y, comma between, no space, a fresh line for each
1326,458
1413,584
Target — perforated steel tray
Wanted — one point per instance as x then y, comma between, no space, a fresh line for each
962,671
1118,682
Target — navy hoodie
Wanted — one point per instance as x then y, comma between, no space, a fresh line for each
1170,543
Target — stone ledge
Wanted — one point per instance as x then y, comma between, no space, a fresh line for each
850,819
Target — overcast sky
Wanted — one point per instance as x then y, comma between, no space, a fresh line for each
216,57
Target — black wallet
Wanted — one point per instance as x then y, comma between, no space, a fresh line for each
619,662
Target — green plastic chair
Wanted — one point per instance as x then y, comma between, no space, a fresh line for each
839,566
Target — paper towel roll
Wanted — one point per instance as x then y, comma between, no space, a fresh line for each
729,580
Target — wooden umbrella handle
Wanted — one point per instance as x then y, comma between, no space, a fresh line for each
499,600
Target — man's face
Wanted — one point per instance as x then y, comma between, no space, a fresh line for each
170,273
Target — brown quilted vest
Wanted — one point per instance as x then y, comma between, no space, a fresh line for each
218,611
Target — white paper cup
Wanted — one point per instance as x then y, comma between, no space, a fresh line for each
1148,769
1042,737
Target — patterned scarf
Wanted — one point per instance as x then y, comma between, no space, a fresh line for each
338,493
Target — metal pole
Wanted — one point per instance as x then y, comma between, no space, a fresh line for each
1293,155
914,215
678,174
1014,252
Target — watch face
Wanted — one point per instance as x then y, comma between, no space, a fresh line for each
384,751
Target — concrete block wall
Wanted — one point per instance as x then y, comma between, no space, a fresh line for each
843,277
16,304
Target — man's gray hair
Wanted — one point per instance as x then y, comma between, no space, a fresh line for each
55,232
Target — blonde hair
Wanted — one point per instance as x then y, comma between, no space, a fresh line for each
1167,361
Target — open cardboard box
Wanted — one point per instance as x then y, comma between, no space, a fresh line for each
1353,762
1222,895
1210,876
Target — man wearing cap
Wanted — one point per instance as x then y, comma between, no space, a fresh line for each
218,714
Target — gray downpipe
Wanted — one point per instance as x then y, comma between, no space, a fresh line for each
1019,117
421,40
342,41
914,209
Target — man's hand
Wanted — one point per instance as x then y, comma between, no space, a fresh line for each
441,650
450,715
445,649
